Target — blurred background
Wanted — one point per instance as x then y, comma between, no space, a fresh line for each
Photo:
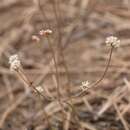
79,28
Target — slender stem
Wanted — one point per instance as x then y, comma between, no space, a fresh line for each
53,56
58,23
43,14
60,49
61,54
95,84
106,69
45,113
27,81
57,73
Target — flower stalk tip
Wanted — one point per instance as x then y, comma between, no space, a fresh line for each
14,62
112,41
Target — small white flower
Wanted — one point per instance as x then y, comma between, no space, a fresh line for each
45,32
112,41
35,38
40,89
14,62
85,85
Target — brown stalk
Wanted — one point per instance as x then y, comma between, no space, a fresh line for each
60,49
95,84
106,69
54,59
24,78
57,74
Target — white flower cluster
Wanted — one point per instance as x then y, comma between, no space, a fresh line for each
35,38
45,32
14,62
85,85
39,88
112,41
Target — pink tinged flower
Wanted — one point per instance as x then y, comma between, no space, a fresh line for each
35,38
45,32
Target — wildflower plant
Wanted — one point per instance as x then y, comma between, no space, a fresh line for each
112,42
15,66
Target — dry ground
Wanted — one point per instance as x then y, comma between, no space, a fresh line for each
84,25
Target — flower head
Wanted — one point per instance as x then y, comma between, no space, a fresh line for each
39,88
85,85
35,38
14,62
45,32
112,41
